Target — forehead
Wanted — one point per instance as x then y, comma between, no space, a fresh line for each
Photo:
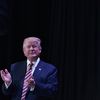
31,41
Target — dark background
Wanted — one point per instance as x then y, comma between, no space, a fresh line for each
70,34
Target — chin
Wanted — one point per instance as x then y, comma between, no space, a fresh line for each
32,57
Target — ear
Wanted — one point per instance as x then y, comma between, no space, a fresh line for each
40,49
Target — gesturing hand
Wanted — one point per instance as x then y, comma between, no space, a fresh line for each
5,75
31,83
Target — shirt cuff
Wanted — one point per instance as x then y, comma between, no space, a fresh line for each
32,88
7,84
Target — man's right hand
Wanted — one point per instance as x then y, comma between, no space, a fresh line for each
5,75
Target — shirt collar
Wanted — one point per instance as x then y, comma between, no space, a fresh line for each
28,62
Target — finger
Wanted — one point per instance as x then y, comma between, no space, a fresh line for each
32,80
2,72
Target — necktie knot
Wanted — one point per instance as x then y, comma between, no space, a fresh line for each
30,65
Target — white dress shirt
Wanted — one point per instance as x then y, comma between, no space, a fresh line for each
33,68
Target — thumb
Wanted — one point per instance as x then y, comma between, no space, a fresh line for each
6,71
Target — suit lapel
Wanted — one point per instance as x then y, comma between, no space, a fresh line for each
23,68
38,70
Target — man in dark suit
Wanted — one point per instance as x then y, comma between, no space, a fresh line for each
40,84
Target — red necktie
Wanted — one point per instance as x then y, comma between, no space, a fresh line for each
28,76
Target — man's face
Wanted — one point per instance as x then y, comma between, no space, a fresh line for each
31,48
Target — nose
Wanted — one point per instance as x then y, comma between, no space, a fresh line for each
31,48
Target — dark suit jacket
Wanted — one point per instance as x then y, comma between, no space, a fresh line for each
45,76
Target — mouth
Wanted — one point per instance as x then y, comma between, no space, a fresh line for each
32,53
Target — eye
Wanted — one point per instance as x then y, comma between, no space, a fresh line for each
34,46
28,46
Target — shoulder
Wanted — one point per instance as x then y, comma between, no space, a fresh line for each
17,64
48,69
47,66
